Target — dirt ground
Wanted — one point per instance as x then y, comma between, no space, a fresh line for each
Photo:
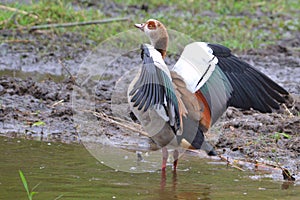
36,90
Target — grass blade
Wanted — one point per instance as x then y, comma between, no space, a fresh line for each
25,184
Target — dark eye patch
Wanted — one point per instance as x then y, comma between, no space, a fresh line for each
151,25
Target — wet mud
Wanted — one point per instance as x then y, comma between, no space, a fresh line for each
37,80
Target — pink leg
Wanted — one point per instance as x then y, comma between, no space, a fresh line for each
165,158
163,180
175,156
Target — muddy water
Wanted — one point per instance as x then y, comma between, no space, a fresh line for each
69,172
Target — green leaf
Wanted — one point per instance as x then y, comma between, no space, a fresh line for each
285,135
39,123
24,183
33,193
279,135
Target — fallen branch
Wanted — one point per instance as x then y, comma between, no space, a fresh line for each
18,11
273,168
287,110
56,103
230,163
121,122
63,25
73,78
286,174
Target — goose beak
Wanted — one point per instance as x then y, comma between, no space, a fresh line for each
140,26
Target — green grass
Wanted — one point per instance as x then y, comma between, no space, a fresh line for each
50,12
232,23
279,135
237,24
30,194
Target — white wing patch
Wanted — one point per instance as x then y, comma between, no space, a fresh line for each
196,65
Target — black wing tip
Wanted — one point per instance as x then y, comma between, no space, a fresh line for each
268,105
220,50
256,89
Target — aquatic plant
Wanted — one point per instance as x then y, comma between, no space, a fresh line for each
25,184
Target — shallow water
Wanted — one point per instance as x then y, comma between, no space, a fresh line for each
69,172
34,75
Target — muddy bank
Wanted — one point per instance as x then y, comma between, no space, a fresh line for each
38,71
42,109
42,52
36,110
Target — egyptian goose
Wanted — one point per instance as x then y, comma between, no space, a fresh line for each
177,106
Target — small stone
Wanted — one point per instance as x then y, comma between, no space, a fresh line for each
2,90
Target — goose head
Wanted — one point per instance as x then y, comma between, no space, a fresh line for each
157,33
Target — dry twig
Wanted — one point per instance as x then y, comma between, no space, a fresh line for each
230,163
287,110
18,11
56,103
64,25
73,78
285,173
121,122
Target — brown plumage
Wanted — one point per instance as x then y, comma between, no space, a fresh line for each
159,38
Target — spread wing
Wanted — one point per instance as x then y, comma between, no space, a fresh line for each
219,79
154,87
251,88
